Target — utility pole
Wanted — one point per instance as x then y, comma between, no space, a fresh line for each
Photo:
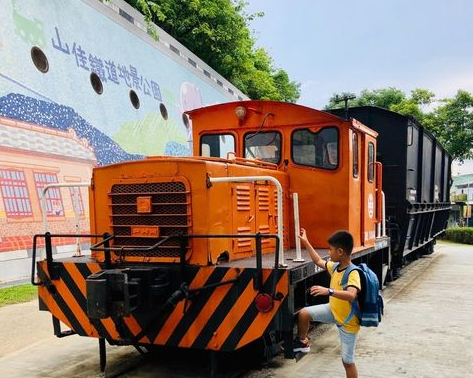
345,98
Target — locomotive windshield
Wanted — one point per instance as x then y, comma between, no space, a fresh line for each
217,145
316,149
265,146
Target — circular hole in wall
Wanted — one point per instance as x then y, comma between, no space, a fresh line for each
164,111
39,59
135,101
96,83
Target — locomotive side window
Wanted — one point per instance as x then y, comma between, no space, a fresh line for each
265,146
370,162
217,145
316,149
355,153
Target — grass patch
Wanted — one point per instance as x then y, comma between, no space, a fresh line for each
17,294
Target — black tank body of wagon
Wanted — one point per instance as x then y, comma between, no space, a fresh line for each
416,180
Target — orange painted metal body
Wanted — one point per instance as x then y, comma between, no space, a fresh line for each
226,208
329,200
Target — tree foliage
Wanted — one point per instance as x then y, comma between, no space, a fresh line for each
451,121
217,31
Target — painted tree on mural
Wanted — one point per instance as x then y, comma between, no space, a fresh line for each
218,32
449,119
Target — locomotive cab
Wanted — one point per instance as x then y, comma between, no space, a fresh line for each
330,161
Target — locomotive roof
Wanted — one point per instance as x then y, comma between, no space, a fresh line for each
269,113
264,106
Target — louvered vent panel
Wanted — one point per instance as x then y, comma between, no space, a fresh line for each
170,211
243,197
263,199
244,242
264,229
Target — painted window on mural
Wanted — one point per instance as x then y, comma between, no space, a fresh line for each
15,193
77,200
54,205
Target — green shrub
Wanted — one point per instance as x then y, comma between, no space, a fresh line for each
462,235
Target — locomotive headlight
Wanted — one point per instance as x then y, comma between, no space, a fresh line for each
240,112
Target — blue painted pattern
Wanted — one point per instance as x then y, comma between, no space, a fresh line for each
62,117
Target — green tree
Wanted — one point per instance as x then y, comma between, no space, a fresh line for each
217,31
451,121
413,105
384,98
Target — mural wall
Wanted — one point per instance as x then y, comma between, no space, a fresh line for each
82,84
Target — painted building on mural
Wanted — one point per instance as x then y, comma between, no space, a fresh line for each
82,83
34,156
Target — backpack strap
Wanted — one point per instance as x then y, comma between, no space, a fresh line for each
346,274
355,308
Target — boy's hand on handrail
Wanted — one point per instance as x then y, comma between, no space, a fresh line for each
313,254
303,236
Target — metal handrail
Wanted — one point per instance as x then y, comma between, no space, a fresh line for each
183,238
42,200
49,251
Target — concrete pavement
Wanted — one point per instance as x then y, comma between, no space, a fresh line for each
427,331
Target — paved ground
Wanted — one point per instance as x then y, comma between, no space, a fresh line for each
22,325
427,331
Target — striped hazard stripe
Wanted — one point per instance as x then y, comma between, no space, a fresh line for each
219,318
225,318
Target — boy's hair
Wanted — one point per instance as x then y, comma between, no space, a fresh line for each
342,239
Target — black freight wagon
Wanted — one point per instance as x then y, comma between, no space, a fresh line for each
416,180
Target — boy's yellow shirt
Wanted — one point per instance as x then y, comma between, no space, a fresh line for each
340,308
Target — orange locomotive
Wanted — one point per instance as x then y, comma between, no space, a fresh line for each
200,252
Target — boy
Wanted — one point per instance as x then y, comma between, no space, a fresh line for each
338,310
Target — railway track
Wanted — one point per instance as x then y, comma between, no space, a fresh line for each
180,363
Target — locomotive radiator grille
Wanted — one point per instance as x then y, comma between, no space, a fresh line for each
169,214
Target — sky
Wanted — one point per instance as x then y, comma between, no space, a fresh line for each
347,46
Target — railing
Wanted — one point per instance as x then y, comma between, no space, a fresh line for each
381,226
104,246
44,209
49,251
295,202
